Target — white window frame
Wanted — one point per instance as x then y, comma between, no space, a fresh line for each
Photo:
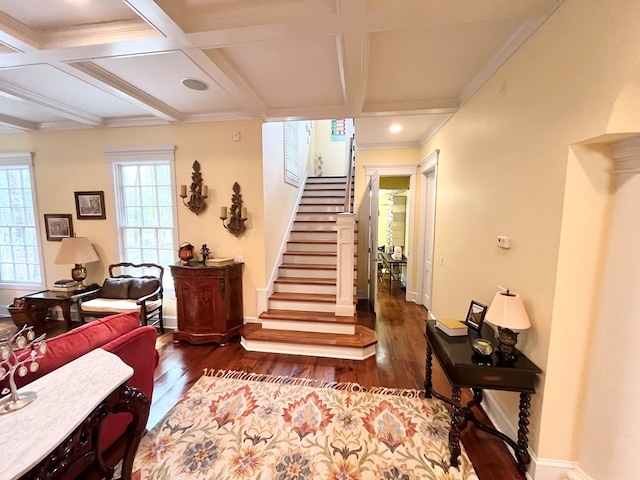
22,159
143,155
291,154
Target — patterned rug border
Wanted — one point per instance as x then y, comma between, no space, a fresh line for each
310,382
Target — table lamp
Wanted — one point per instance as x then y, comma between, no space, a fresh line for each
508,314
76,250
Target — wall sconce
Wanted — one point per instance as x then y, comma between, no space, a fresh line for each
198,192
236,224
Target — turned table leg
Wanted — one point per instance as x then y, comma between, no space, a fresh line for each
522,452
428,385
454,433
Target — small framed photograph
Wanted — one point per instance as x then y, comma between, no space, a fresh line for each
475,315
90,206
58,226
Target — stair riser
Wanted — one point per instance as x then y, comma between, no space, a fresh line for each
306,272
348,353
312,247
330,236
325,208
325,200
326,186
328,178
312,259
310,327
316,216
308,306
303,288
311,193
314,227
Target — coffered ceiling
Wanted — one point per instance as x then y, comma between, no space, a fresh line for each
89,63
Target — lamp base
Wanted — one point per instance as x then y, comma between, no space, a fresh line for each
507,340
79,274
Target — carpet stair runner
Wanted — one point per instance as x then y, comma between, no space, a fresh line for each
300,319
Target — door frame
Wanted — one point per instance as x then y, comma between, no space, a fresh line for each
428,165
401,170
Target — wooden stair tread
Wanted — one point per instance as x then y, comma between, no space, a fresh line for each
306,280
307,253
304,297
362,338
308,266
305,316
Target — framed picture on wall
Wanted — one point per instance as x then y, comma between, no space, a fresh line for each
58,226
90,206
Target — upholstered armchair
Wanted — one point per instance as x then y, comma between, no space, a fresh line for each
130,287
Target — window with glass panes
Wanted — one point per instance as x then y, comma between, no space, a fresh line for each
19,250
146,212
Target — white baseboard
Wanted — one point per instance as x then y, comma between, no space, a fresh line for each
412,296
577,474
539,468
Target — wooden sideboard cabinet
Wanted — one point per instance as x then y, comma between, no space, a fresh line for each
209,302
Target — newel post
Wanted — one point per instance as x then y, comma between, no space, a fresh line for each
345,226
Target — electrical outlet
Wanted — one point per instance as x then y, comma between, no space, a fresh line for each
239,259
504,242
236,135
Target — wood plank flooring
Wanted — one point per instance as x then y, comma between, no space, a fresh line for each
399,362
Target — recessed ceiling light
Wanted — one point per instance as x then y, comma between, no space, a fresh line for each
195,84
395,128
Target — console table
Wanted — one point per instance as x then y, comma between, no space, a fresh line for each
392,265
209,302
45,438
64,300
466,369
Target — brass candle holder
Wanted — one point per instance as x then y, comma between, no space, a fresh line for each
236,224
197,192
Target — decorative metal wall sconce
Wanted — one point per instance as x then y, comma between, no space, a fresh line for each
198,192
236,224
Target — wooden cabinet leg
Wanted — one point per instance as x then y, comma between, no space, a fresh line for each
454,433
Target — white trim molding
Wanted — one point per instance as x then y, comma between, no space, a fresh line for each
164,153
16,158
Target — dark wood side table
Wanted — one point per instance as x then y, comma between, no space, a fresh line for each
391,265
209,302
465,369
64,300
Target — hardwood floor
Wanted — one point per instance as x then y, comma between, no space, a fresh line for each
399,362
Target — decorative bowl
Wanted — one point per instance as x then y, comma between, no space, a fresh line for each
482,347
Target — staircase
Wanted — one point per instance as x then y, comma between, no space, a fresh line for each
301,319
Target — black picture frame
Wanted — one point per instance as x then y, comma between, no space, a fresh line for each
90,205
58,226
475,315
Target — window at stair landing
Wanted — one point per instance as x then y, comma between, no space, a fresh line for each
291,166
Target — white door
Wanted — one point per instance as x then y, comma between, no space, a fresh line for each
373,191
429,220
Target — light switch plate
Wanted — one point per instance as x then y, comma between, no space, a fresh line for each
504,242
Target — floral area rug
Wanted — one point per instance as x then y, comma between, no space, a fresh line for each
235,425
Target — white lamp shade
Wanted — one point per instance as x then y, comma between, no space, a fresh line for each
76,250
507,311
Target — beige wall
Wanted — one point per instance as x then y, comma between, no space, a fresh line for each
70,161
333,161
507,167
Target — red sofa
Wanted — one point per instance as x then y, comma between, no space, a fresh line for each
119,334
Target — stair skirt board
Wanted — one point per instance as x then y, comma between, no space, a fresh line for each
309,327
348,353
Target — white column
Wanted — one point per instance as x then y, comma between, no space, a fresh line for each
345,226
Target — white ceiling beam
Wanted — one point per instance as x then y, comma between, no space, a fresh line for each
351,54
436,105
18,123
105,81
151,12
57,108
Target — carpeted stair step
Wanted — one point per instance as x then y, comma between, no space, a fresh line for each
358,346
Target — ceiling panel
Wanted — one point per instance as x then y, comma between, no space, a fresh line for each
376,131
52,83
143,72
27,111
54,15
290,74
436,63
